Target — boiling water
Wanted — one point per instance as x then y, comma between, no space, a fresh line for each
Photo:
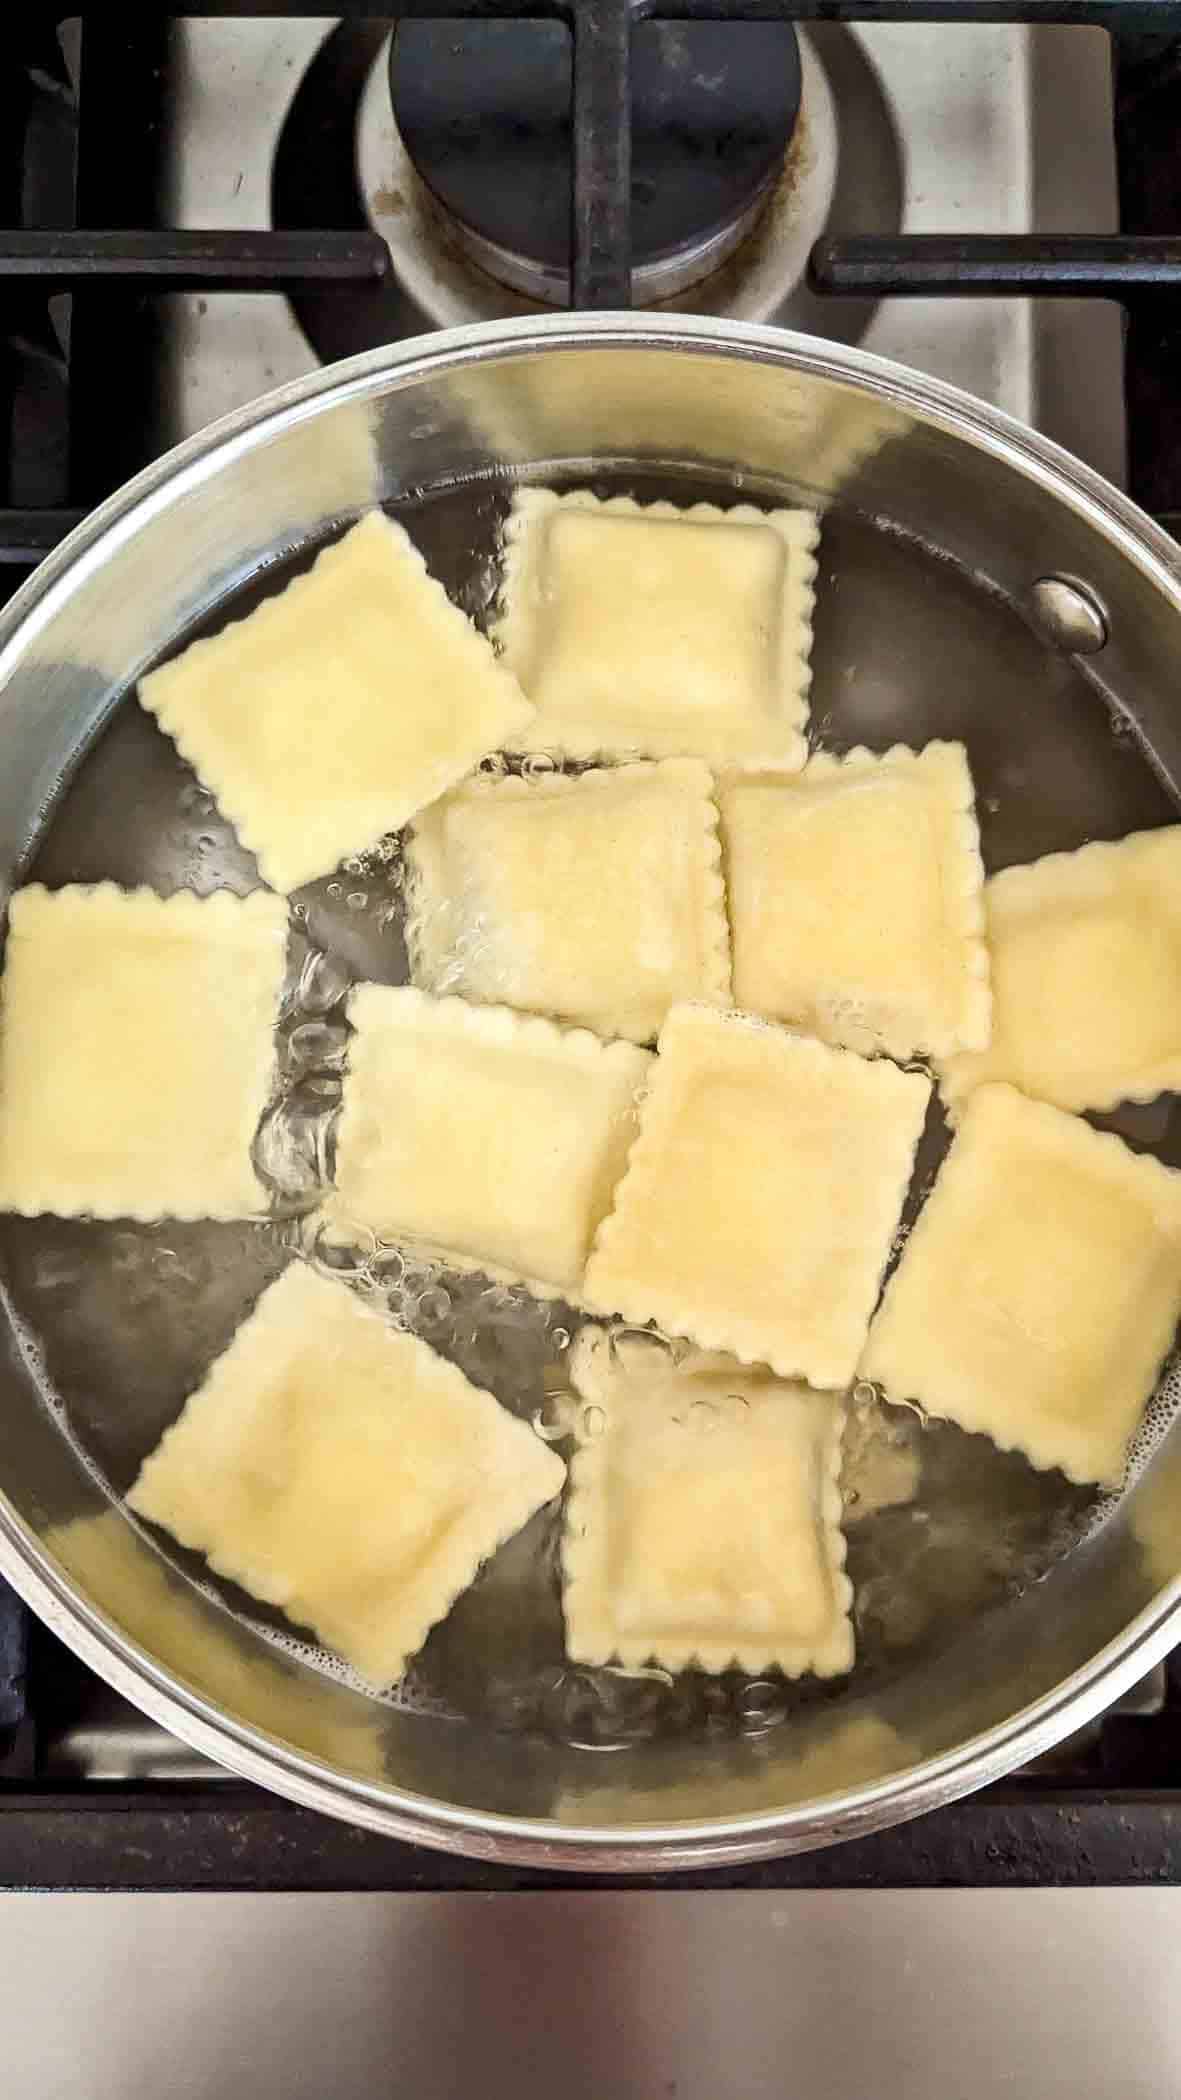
122,1319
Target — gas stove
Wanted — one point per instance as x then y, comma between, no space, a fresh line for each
201,208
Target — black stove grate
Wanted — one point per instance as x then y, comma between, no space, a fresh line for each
601,182
114,270
234,1838
80,269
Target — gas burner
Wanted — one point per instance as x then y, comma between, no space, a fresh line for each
734,160
484,112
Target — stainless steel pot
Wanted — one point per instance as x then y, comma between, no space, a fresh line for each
942,519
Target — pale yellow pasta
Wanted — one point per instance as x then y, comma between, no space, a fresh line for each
1086,972
486,1138
761,1196
703,1524
1039,1290
137,1050
338,708
594,898
855,899
344,1472
654,631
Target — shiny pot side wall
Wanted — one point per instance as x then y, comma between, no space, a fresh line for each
770,416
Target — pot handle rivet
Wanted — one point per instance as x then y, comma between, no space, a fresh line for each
1068,615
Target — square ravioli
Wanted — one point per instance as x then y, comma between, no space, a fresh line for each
594,898
855,899
1039,1291
761,1196
491,1140
344,1472
1086,975
338,708
659,632
704,1521
137,1050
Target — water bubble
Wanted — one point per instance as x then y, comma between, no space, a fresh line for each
560,1337
494,763
387,1267
865,1393
323,982
317,1045
434,1305
552,1420
594,1422
761,1705
319,1087
600,1710
335,889
354,865
538,764
170,1268
621,1336
357,900
343,1257
290,1150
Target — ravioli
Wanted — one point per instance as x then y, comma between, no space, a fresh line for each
594,898
855,899
761,1196
344,1472
1039,1290
137,1050
703,1524
491,1140
340,707
1086,970
660,632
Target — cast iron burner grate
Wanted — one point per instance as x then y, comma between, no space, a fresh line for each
484,110
80,266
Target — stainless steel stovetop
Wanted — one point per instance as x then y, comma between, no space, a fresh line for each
693,1993
887,1995
974,129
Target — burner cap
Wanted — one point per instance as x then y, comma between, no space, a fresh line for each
483,109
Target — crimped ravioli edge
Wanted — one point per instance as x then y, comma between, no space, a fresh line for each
829,1656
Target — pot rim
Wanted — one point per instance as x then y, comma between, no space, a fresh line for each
310,1781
